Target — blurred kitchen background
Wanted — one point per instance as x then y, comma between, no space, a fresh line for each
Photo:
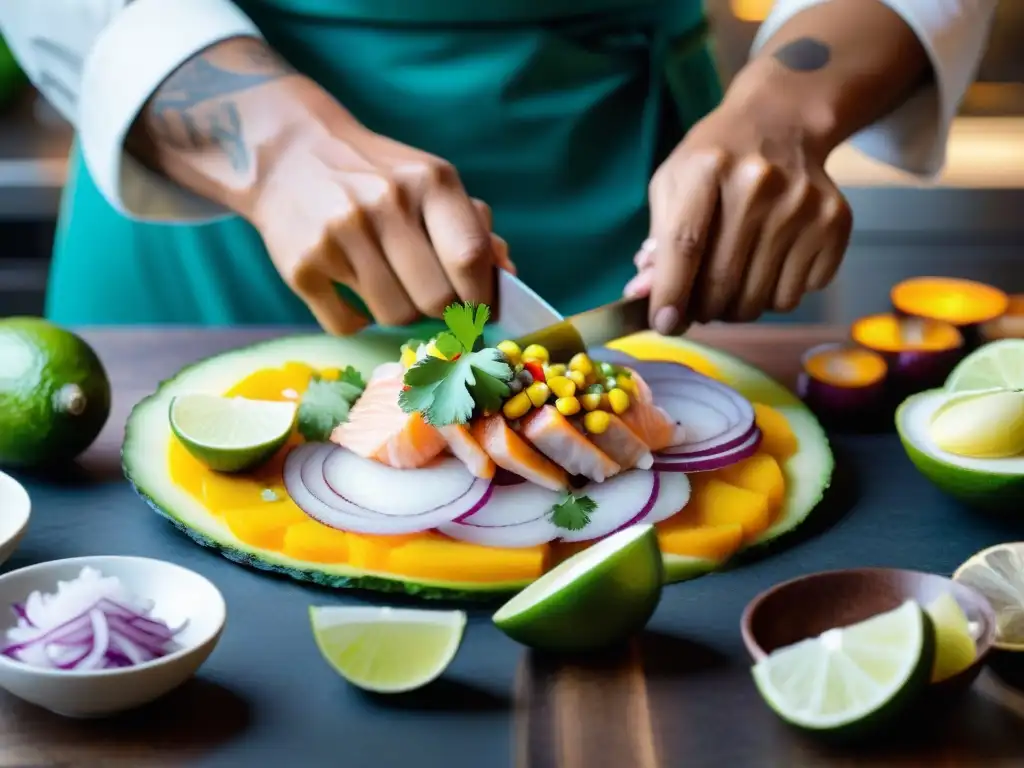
970,223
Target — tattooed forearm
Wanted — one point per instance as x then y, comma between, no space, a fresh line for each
197,108
804,54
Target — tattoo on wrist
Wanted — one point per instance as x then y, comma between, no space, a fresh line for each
804,54
196,108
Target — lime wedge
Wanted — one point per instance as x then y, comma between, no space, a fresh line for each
997,365
231,434
596,598
387,650
955,650
852,677
998,574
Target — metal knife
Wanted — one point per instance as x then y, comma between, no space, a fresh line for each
525,317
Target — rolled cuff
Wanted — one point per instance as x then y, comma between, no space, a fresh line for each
133,55
914,136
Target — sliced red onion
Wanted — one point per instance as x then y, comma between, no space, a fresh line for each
515,516
714,416
709,462
100,641
673,494
621,501
404,500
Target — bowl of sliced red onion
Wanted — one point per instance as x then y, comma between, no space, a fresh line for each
14,512
94,636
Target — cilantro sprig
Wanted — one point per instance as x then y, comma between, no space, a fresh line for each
472,377
573,512
326,403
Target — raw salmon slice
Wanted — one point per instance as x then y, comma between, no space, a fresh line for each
510,452
466,449
622,445
653,425
377,427
552,434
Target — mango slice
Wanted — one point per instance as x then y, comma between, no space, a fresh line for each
437,557
647,347
777,436
285,383
312,540
714,543
717,503
264,526
761,473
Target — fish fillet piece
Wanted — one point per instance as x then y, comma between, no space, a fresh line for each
466,449
510,452
552,434
653,425
622,445
377,428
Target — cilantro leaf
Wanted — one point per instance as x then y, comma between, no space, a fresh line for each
326,404
466,322
573,512
427,372
353,377
448,345
447,391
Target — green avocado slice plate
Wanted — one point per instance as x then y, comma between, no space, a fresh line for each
148,438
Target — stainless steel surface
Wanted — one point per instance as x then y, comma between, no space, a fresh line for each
519,310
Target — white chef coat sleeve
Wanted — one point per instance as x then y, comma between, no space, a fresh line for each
913,137
99,61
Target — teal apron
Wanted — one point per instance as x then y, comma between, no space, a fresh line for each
555,112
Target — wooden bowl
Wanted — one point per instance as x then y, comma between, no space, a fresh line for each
809,605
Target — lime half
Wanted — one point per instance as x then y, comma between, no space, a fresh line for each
851,677
387,650
997,365
998,574
596,598
955,649
231,434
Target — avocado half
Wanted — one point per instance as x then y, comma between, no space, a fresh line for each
991,484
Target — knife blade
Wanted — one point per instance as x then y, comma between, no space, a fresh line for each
518,309
522,315
592,328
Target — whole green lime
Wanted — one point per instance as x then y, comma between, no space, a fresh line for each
54,393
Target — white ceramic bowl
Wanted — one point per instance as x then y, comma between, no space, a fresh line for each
178,594
14,512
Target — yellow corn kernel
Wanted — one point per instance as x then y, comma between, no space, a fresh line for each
580,362
577,378
558,369
618,400
538,392
567,406
562,386
626,384
536,352
591,401
596,422
517,406
511,350
408,357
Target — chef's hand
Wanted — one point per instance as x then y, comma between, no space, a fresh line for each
744,218
342,205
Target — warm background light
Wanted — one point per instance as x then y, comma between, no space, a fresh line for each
750,10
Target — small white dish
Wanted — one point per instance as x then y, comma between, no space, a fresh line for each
15,508
177,593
